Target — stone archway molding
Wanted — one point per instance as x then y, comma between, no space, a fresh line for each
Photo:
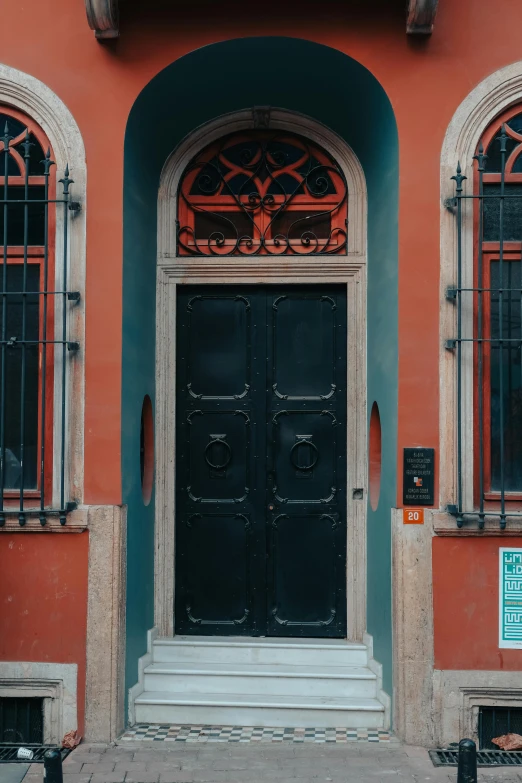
103,18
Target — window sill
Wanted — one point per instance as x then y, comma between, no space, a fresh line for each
77,522
445,524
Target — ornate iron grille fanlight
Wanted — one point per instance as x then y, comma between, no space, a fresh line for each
262,192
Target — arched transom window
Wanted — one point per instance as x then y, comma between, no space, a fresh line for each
262,193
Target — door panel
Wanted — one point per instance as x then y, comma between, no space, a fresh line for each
218,456
218,356
304,584
304,447
217,569
261,462
303,333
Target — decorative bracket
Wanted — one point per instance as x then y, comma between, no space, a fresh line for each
261,116
421,15
103,18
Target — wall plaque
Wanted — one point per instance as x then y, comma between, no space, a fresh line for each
510,598
418,477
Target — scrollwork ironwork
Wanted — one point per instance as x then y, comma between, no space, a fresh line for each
262,193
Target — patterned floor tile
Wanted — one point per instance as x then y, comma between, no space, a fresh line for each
165,733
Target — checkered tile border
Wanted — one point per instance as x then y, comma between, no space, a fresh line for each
167,733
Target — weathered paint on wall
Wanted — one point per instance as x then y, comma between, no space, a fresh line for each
465,604
43,601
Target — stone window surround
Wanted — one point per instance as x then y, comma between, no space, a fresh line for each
486,101
31,96
55,683
458,696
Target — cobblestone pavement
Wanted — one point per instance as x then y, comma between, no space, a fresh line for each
356,762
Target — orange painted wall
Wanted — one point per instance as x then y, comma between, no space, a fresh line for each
425,80
43,600
465,602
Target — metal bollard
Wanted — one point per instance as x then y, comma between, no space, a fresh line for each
53,767
467,769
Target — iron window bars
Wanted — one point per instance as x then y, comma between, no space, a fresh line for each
29,356
495,300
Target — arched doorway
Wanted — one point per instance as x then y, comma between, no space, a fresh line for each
266,423
356,109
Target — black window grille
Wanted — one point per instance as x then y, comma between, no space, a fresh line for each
497,721
489,328
21,720
35,348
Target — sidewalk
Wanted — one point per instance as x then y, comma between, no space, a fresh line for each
284,762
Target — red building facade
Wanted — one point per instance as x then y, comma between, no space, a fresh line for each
367,114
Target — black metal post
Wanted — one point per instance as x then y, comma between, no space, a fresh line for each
53,767
481,158
467,769
503,150
459,179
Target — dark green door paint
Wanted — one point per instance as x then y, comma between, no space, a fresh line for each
261,461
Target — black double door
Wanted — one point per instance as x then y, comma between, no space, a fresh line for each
261,461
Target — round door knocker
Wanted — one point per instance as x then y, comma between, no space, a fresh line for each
228,455
315,455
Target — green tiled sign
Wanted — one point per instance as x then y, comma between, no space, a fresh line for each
510,598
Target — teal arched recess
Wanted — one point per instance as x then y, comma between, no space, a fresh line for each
334,89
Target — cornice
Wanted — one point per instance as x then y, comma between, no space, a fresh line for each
421,15
103,18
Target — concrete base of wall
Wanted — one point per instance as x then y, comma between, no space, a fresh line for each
413,629
104,702
432,707
457,696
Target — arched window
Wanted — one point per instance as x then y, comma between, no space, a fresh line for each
32,338
262,192
489,322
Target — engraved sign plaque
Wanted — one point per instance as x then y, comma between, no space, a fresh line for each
418,477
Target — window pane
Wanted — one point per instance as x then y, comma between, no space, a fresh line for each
506,361
16,217
229,225
36,155
13,364
512,213
301,224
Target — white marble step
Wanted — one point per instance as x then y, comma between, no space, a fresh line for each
241,650
258,710
276,679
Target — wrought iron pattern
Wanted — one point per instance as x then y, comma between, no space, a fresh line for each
261,484
33,323
262,192
495,337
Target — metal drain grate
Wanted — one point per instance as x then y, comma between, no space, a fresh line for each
449,757
8,753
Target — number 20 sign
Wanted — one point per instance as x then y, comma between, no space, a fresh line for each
413,516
